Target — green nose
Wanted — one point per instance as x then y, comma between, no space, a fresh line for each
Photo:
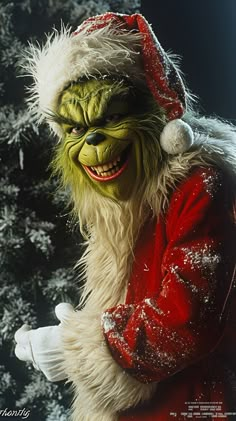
95,138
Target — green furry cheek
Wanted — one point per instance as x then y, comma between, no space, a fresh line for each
74,175
125,185
143,164
106,108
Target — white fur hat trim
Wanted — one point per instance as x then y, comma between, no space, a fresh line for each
66,57
176,137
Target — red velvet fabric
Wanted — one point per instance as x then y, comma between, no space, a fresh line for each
174,327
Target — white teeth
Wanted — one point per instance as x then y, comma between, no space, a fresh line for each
108,173
107,169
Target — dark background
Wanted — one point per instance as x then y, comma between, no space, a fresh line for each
38,246
203,33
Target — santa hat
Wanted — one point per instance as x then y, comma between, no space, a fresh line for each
110,45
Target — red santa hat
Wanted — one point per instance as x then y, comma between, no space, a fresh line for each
111,45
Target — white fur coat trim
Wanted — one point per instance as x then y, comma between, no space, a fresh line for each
102,387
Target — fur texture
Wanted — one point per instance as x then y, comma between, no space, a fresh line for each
112,229
65,58
176,137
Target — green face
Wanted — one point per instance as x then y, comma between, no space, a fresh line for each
100,140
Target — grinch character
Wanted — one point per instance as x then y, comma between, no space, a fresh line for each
153,187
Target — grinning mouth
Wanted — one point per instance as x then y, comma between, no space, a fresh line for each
110,170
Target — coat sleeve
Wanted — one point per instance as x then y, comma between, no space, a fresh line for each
184,320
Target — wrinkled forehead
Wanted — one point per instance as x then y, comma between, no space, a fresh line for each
94,96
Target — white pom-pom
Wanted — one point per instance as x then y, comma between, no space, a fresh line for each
176,137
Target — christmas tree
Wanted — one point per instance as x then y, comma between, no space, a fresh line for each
37,245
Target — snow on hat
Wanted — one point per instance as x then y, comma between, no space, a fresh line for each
110,45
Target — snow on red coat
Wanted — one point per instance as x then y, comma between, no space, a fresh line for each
174,327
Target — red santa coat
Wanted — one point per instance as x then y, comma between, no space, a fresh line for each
174,327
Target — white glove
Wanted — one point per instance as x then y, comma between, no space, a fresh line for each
43,347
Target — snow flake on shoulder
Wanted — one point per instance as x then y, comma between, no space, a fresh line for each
201,257
212,181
